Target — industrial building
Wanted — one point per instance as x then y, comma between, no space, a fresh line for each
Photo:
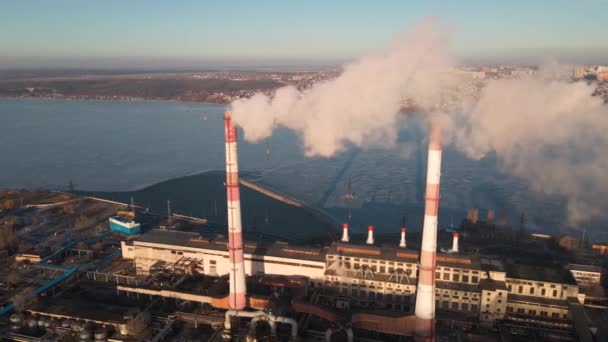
366,287
378,278
385,288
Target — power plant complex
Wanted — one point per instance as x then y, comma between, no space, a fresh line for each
386,292
364,287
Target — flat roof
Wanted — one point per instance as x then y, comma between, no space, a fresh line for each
585,268
538,300
448,285
397,254
547,273
491,285
220,243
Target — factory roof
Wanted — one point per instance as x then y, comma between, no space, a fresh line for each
220,243
545,273
393,253
537,300
373,276
584,268
492,285
448,285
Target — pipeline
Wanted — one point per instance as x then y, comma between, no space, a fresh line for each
349,334
256,316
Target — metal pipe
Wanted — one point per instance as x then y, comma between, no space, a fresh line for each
350,337
285,320
238,290
425,294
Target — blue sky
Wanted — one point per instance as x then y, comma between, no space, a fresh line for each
189,33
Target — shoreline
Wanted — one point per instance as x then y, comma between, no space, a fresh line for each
69,99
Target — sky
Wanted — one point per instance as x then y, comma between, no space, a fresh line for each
191,33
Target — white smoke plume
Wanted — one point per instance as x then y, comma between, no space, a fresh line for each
361,106
545,129
548,131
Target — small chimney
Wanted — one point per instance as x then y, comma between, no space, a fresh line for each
345,232
402,243
370,235
455,243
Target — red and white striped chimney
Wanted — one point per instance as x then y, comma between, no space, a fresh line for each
370,235
455,242
345,237
238,291
425,293
402,242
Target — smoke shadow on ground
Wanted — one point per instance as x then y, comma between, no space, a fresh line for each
204,195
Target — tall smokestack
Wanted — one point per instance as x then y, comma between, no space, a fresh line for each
345,237
238,289
455,242
370,235
402,243
425,294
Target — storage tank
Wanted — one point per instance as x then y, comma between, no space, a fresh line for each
16,319
101,335
76,326
85,335
32,323
41,321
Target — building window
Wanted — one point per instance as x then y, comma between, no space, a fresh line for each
520,310
454,305
531,290
532,312
554,293
465,278
543,292
437,275
510,287
445,305
543,313
509,309
446,276
465,307
475,279
455,277
555,315
212,267
520,289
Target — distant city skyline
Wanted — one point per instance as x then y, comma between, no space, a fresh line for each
156,34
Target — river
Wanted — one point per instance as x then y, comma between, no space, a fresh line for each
120,146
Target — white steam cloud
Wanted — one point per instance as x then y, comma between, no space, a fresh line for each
550,132
547,130
360,106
